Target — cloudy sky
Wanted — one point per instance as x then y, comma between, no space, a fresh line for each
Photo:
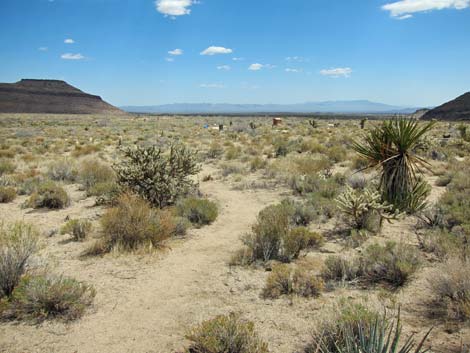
145,52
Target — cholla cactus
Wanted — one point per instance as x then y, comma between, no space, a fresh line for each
360,207
158,177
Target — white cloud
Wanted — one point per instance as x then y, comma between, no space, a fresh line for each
337,72
69,41
176,52
298,59
43,48
224,67
174,7
404,9
213,50
255,67
170,60
70,56
293,70
238,59
211,85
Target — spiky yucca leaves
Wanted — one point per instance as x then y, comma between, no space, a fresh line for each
159,177
391,147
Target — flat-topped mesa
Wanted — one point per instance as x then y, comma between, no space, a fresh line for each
457,109
50,97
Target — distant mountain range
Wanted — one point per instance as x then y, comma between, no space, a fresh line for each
354,106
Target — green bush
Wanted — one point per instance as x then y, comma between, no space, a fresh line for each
93,175
298,239
391,263
78,228
18,242
6,167
43,297
7,194
160,178
133,224
198,211
338,268
48,195
225,333
284,280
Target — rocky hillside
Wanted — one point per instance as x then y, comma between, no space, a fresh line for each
457,109
50,97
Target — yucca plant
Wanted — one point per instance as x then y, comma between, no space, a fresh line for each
390,147
382,336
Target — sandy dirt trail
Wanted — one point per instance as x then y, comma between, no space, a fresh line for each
146,305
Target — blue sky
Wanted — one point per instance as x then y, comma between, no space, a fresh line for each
145,52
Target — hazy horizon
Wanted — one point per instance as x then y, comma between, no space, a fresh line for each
404,53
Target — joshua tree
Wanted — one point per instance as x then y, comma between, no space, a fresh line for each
390,147
313,123
363,123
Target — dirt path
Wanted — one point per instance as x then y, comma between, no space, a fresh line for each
146,305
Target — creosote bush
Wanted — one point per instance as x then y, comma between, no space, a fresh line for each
451,287
157,176
198,211
134,224
42,297
18,242
62,170
225,333
7,194
95,176
78,228
273,237
6,167
285,280
48,195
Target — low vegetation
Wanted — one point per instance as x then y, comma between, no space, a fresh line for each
49,195
198,211
78,228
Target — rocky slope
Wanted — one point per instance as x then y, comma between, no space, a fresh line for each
457,109
50,97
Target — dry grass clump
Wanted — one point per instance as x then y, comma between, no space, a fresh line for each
225,333
18,242
285,280
7,194
42,297
78,228
340,268
83,150
96,177
132,224
6,166
48,195
198,211
62,170
451,286
274,238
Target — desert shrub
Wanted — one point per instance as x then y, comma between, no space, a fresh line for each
133,224
105,192
83,150
7,194
232,168
62,170
298,239
198,211
357,181
257,163
444,180
7,153
364,209
29,185
316,183
301,214
158,177
93,175
440,242
6,167
391,263
18,242
391,148
48,195
336,153
225,333
215,150
333,333
233,152
273,237
42,297
359,163
339,268
451,287
284,280
78,228
324,208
